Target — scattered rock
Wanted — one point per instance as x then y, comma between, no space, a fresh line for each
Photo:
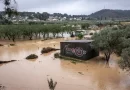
32,56
48,49
3,62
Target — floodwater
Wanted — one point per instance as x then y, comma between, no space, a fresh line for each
32,74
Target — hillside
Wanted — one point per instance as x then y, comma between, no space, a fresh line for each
107,13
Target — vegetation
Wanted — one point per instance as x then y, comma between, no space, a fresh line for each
32,56
85,26
80,36
24,32
111,41
109,14
124,63
10,9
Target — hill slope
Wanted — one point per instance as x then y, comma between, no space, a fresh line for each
107,13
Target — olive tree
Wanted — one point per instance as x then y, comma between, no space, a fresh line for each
107,41
124,63
85,26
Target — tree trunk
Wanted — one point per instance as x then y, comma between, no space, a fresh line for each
47,35
62,34
36,35
54,35
30,38
39,35
13,38
107,57
8,37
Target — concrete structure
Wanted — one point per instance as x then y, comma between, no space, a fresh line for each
79,49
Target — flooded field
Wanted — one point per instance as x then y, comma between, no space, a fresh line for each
32,74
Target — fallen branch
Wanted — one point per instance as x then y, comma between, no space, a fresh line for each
3,62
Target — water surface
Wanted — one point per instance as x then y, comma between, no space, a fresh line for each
32,74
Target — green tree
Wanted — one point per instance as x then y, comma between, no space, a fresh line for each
124,63
85,26
80,36
44,16
107,41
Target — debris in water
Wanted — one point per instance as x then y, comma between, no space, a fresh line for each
12,44
32,56
52,84
48,49
81,73
2,87
1,45
3,62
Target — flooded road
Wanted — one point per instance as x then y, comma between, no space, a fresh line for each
32,74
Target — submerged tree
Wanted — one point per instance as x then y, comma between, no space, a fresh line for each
124,63
107,42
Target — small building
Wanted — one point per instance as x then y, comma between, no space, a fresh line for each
79,49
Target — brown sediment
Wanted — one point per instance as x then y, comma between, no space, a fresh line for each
27,75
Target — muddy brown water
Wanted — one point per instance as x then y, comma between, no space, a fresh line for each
32,74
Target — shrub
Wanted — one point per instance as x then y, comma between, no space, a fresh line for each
124,63
80,36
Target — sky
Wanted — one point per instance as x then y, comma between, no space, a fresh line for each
73,7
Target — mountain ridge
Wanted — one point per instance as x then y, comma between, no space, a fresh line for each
111,13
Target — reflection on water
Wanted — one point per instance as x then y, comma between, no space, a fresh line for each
32,74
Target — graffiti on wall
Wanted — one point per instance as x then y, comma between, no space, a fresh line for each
78,51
